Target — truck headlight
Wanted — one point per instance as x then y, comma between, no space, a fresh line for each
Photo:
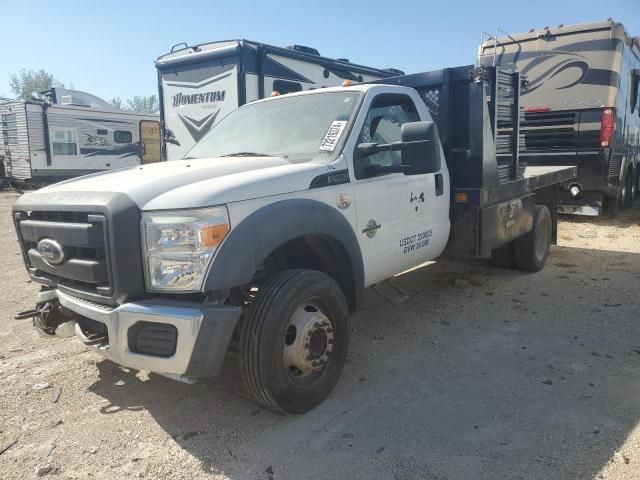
179,244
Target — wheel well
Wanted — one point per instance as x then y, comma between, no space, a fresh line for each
316,252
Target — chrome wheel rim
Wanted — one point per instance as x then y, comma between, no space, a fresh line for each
309,342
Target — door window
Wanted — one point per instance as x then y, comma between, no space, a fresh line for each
387,114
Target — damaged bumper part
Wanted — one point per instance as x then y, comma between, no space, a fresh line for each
181,340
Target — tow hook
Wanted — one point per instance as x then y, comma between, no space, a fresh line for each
49,319
26,314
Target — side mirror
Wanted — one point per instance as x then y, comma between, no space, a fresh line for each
419,147
421,151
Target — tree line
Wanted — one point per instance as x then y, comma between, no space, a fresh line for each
28,84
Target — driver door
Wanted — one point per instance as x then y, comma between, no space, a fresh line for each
396,214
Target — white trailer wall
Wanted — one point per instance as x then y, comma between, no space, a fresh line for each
15,140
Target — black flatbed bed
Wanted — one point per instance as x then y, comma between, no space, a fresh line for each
493,192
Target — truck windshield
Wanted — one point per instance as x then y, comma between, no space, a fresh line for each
299,128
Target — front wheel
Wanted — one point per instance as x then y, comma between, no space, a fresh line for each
294,340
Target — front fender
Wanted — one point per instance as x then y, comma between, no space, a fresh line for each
272,226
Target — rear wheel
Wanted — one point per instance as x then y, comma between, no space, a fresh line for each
293,341
626,194
531,250
628,191
613,205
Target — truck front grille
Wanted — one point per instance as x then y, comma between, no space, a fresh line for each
83,237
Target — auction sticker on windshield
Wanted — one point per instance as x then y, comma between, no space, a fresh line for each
330,140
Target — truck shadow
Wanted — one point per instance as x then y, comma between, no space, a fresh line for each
482,373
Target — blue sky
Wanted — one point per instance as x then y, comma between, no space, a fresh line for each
108,47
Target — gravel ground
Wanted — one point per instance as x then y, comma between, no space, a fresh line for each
482,373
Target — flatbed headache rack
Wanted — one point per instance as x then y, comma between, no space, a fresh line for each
493,192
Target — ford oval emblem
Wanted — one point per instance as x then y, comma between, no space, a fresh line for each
50,251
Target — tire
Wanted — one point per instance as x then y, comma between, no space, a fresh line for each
503,257
532,250
294,340
624,199
628,192
612,206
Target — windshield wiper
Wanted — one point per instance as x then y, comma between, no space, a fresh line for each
247,154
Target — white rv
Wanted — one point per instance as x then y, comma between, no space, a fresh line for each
71,133
200,84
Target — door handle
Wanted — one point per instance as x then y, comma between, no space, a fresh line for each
439,184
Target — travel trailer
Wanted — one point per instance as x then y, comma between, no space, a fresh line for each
201,84
71,133
581,107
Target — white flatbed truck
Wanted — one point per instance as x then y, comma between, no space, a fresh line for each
264,237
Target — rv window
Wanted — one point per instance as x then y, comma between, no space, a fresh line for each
635,90
10,129
64,142
122,136
283,86
102,131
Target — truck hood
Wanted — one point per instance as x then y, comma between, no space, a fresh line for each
199,182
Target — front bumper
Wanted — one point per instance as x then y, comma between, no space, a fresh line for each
203,333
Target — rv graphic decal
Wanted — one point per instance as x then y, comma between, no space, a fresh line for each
582,69
122,151
197,128
570,60
195,98
197,78
271,67
170,137
94,141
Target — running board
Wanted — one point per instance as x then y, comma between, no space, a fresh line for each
390,292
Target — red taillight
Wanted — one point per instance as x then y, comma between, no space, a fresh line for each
536,109
607,126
